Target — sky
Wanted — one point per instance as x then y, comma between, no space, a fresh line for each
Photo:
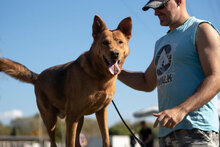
43,33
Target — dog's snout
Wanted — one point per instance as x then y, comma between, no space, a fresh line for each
114,54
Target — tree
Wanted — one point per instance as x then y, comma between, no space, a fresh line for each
90,127
4,130
33,126
13,131
120,128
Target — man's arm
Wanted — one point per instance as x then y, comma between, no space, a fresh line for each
208,48
139,80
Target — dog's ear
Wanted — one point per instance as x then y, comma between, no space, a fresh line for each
98,26
125,26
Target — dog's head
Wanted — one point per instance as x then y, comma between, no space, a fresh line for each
111,46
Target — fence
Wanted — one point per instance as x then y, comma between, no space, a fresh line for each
23,141
30,141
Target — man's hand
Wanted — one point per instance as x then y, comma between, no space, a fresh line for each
169,118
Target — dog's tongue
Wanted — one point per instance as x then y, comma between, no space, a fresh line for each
114,68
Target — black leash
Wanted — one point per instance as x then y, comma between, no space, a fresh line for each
137,139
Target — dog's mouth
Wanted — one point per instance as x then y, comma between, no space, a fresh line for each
113,66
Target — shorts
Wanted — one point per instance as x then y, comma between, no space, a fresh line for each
190,138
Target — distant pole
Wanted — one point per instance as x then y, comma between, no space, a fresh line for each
62,133
40,132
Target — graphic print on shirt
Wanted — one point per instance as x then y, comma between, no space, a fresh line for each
163,62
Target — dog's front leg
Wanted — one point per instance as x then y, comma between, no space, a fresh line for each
71,127
103,125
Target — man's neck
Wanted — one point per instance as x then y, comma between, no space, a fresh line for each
180,22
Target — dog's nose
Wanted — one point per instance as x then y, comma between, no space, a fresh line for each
114,54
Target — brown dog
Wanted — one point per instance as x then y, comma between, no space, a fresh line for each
80,87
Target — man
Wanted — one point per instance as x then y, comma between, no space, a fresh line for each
146,134
83,140
186,71
132,139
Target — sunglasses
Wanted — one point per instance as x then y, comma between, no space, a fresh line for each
163,6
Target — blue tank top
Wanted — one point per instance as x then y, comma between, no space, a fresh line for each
179,73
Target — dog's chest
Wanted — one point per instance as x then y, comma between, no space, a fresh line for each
98,101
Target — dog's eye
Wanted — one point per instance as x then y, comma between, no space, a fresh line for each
106,42
120,42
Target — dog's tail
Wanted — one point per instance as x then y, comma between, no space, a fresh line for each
17,71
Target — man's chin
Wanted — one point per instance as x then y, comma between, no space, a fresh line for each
162,23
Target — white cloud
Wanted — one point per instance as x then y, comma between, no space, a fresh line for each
8,115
